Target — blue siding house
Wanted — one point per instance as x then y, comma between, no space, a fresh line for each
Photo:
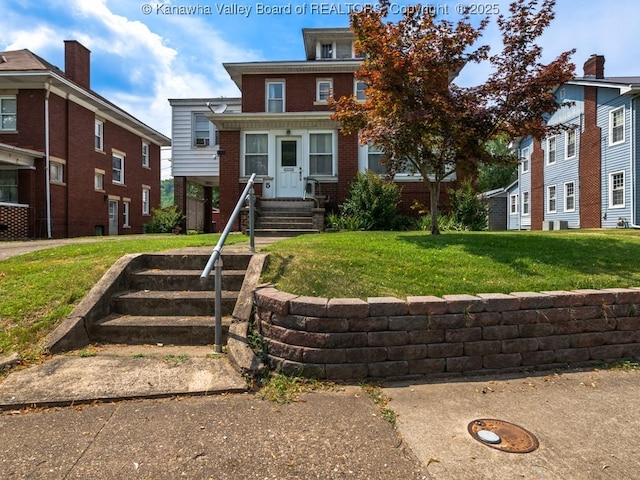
587,175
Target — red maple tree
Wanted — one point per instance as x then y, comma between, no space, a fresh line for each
422,121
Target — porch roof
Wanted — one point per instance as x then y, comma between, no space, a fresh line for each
17,156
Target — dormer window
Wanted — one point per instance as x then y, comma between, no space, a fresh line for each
326,50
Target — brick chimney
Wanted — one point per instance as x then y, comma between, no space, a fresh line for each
77,63
594,66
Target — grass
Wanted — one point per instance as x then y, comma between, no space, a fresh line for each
282,389
381,400
40,289
401,264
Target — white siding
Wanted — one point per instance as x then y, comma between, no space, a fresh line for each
187,159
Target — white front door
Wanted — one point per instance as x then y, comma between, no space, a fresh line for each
289,181
113,217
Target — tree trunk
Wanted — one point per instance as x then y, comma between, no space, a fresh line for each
434,196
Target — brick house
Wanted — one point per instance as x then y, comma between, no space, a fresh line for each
284,132
71,162
586,176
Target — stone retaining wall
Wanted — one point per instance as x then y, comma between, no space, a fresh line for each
385,337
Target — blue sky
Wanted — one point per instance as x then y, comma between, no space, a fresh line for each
142,55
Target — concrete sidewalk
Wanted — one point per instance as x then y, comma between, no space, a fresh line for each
587,424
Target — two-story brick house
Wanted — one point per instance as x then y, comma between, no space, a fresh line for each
71,162
285,134
586,176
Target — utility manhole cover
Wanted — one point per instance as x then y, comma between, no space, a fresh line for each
503,435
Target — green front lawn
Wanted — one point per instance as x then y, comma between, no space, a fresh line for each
364,264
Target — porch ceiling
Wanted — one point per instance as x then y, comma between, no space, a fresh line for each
257,121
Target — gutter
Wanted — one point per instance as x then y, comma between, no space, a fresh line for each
47,158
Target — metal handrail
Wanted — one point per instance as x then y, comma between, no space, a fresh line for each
215,260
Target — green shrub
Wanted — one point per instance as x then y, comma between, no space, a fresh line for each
468,209
164,220
372,203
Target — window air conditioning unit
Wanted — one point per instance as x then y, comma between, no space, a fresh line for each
202,142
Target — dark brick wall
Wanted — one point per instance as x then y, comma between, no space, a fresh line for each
537,186
230,188
76,208
590,166
300,91
350,339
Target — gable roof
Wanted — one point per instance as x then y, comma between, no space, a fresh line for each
624,84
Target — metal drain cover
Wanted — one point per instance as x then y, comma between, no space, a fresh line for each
503,435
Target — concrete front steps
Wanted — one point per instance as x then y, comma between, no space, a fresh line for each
163,300
284,218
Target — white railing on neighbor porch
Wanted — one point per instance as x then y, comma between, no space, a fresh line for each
215,261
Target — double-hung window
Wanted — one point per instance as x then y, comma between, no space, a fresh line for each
526,158
552,199
8,113
275,97
513,208
99,135
256,154
569,197
9,186
145,154
321,154
616,126
117,164
146,195
56,172
324,89
525,203
98,180
616,190
360,89
201,135
571,142
374,158
126,207
551,150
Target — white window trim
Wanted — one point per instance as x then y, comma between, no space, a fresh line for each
145,155
548,151
122,178
566,196
60,168
526,155
15,114
244,153
548,199
566,144
146,205
527,212
355,90
319,81
99,123
95,175
513,204
284,94
624,189
211,138
624,129
334,150
126,213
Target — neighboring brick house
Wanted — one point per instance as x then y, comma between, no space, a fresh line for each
587,176
71,162
285,134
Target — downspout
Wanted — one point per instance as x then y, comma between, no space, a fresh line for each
47,160
633,113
